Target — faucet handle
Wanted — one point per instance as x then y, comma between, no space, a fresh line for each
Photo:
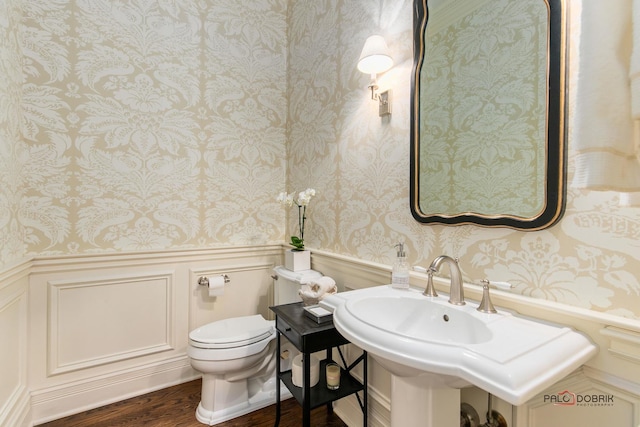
430,290
485,305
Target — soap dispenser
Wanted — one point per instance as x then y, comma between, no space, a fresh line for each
400,270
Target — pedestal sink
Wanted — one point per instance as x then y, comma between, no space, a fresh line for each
433,348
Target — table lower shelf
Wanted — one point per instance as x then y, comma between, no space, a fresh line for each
320,394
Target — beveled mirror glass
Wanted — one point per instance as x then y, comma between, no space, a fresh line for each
487,114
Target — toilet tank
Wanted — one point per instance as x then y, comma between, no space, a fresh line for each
287,283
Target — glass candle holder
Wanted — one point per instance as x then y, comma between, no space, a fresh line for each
333,376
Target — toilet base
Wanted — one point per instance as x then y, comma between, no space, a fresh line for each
260,399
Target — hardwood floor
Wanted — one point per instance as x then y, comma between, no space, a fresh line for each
175,406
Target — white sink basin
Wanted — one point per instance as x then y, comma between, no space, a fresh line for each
508,355
420,319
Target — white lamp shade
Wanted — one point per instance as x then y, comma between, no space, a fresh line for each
375,56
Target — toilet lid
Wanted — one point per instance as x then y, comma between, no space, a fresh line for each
233,332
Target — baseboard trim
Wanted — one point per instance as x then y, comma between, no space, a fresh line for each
18,411
60,401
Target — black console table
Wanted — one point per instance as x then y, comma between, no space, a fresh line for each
308,337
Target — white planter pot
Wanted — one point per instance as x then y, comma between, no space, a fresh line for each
297,260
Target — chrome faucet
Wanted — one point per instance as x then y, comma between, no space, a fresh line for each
456,293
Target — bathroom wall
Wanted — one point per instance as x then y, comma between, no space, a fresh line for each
178,140
14,270
153,125
359,165
583,272
171,127
132,128
14,154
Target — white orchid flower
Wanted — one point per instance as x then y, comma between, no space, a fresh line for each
304,197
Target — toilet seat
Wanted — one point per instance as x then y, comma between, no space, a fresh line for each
232,333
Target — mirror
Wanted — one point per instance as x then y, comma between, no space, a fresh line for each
487,113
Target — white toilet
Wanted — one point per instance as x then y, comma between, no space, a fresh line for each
237,357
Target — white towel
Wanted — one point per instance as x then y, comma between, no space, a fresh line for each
604,141
317,289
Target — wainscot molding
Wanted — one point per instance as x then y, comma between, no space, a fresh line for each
131,259
106,327
588,397
623,343
350,273
38,394
99,310
16,273
66,399
15,400
17,411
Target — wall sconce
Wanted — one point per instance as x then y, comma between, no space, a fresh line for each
375,59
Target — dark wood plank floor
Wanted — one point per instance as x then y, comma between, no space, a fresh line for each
176,406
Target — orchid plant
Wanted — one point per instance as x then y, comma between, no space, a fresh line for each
304,197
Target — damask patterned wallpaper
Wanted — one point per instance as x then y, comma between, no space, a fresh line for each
174,124
359,164
14,156
153,124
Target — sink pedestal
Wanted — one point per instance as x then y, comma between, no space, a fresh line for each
422,402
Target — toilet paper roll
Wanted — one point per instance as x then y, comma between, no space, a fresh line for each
297,374
216,286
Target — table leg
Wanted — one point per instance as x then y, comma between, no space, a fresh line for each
329,359
306,391
365,393
278,409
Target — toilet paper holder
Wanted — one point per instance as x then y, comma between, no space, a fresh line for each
204,280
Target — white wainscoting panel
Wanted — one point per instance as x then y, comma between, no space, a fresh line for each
14,394
623,343
106,327
103,321
583,400
12,316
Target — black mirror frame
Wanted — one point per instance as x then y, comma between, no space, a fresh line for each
556,130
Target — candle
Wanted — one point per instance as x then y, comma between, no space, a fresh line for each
333,376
